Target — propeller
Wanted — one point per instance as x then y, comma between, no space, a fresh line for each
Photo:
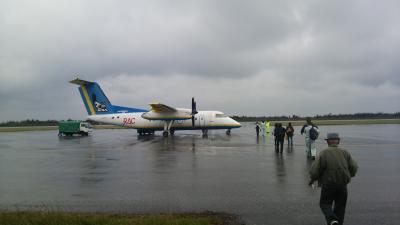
194,111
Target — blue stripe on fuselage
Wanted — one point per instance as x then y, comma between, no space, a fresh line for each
123,109
190,128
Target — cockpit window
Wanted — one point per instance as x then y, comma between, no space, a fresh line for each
220,115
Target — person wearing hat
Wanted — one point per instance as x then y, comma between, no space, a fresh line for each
333,169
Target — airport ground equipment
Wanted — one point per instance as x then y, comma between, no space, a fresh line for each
69,128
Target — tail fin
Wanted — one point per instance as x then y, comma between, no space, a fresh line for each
96,102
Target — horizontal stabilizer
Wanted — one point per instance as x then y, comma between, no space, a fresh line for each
80,82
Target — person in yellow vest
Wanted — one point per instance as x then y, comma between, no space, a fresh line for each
267,127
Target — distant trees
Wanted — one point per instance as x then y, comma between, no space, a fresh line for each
330,116
33,122
379,115
29,122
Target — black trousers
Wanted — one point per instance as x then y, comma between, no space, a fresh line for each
279,144
333,203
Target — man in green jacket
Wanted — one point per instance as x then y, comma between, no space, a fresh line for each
333,169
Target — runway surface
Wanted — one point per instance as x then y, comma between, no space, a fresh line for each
117,171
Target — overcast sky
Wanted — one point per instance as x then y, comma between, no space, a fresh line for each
240,57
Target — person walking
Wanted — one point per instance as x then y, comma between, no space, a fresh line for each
333,169
257,129
273,133
263,128
279,133
311,134
289,133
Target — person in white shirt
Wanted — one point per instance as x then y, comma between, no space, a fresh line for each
310,137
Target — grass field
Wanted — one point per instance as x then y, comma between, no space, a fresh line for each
59,218
294,123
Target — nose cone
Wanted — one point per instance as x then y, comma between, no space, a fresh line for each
236,124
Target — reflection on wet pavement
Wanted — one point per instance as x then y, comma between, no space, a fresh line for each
116,170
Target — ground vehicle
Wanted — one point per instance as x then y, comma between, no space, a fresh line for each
71,127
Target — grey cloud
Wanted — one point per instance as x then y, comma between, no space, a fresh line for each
255,48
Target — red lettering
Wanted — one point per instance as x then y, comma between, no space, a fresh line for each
127,121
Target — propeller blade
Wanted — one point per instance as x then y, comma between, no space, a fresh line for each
194,110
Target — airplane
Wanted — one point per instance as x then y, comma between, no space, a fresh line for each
160,117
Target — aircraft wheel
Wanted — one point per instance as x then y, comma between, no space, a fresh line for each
172,132
165,133
228,132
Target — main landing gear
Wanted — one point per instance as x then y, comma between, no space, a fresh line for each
205,132
167,128
165,133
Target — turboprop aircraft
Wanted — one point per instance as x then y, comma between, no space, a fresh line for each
160,117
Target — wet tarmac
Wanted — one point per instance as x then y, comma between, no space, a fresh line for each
117,171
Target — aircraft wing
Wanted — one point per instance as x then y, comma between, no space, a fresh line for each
161,108
160,111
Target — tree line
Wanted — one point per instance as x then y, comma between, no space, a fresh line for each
330,116
29,123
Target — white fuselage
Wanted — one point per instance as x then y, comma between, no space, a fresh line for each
203,120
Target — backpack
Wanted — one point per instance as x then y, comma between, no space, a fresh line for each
313,133
289,131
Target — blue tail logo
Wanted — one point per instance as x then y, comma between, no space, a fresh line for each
99,106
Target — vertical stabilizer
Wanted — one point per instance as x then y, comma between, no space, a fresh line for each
96,102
